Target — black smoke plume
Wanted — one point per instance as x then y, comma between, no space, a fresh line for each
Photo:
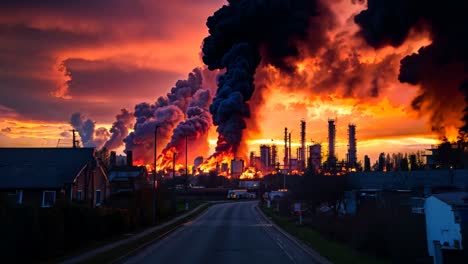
239,33
464,89
439,68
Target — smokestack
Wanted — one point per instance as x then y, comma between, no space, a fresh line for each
289,150
286,152
274,154
303,146
352,159
331,141
265,158
113,159
129,158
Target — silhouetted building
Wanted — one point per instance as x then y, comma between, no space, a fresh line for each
274,157
237,167
352,152
412,160
302,151
315,156
252,159
367,165
265,158
42,176
331,143
381,164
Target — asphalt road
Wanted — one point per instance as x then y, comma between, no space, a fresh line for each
225,233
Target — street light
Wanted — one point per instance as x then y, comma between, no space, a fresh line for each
154,173
173,180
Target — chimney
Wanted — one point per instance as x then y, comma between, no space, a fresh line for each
331,142
113,159
286,152
303,136
129,158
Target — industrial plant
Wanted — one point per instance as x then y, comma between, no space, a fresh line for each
308,155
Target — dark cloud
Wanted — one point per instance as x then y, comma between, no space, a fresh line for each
111,79
273,26
45,44
238,34
441,67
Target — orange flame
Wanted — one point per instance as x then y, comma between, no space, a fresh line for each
164,162
250,173
215,160
165,159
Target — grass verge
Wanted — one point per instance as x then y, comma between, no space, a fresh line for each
116,253
336,252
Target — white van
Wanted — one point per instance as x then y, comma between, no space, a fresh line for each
239,194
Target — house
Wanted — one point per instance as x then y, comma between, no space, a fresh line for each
446,222
43,176
128,179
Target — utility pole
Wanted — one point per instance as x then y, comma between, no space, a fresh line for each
154,173
186,170
173,165
289,162
174,199
186,157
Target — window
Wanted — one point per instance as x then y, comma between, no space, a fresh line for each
48,198
79,195
19,196
98,197
16,196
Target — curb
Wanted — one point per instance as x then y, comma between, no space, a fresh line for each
314,254
94,252
168,232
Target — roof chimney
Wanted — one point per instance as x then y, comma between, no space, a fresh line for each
129,158
113,159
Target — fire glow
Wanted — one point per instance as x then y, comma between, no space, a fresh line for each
329,60
215,161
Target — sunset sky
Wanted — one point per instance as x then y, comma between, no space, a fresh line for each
97,57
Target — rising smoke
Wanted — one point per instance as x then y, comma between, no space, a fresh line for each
286,33
439,68
167,113
90,137
124,121
194,129
242,33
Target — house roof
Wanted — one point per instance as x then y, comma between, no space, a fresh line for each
453,198
23,168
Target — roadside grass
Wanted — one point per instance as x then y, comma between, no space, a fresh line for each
125,250
116,253
102,242
335,252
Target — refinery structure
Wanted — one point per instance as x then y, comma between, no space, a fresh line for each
310,156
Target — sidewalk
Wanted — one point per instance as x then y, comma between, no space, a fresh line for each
99,250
